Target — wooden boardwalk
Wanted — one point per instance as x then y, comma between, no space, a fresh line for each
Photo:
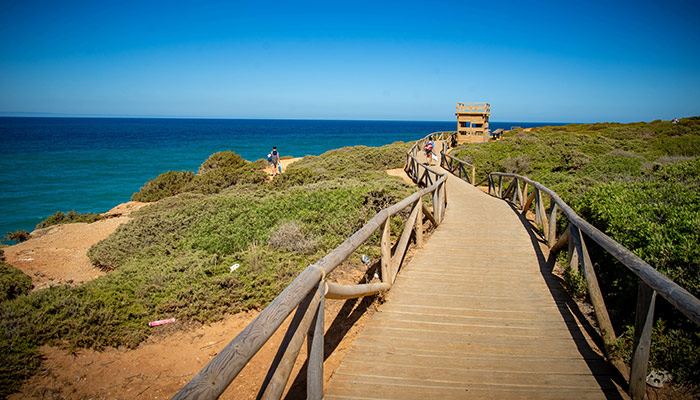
475,314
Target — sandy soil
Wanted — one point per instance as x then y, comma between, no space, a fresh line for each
154,370
401,174
58,254
270,170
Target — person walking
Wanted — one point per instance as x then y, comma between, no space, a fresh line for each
429,144
275,159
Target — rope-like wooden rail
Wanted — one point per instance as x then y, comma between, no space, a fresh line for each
651,281
309,290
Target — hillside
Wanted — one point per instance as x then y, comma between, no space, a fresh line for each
174,257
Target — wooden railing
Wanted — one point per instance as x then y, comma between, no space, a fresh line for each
308,292
651,281
458,167
481,108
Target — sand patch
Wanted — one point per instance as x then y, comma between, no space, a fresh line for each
401,174
270,170
58,254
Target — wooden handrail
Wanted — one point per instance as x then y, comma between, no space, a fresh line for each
447,162
669,290
308,291
651,281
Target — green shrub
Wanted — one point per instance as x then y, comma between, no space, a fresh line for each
164,185
674,350
222,159
220,171
69,218
16,236
13,282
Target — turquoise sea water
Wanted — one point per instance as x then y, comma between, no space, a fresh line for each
93,164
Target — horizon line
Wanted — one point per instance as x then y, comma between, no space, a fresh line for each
106,116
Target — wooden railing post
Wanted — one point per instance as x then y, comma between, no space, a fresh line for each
436,207
386,250
538,216
419,224
500,186
281,367
543,215
403,241
473,182
572,252
314,371
594,293
553,225
646,299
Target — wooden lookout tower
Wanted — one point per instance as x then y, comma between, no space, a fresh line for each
473,122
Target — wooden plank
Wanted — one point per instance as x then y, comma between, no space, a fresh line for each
468,312
483,362
470,328
423,315
357,388
477,345
420,374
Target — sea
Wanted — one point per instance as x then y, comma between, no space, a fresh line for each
93,164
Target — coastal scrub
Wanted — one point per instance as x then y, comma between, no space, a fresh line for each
175,257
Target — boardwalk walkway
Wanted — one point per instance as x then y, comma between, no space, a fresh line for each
475,314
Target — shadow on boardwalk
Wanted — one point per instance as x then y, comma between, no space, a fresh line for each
571,313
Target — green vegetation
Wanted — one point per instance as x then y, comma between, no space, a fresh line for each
13,282
174,258
639,183
221,170
69,218
16,236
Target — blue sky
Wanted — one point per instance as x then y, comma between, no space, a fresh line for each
533,61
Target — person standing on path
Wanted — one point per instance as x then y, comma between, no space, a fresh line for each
275,158
429,144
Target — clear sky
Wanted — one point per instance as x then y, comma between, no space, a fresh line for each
562,61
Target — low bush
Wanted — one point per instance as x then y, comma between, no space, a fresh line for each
13,282
289,237
16,236
164,185
222,159
220,171
68,218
